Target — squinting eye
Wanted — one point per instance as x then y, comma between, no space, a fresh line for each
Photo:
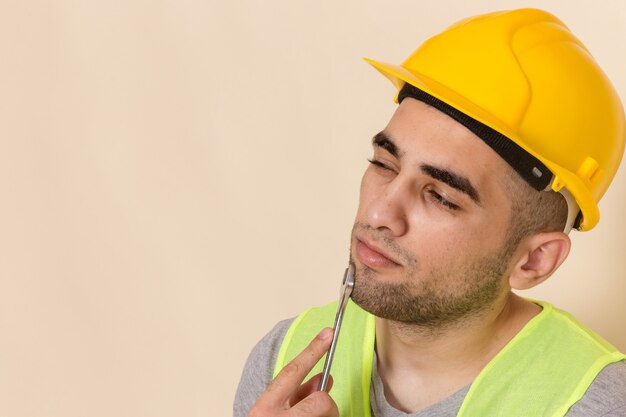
439,199
379,164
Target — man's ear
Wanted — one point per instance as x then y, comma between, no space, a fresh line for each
538,256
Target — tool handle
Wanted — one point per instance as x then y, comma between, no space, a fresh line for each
331,351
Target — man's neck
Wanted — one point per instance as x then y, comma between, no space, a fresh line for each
420,367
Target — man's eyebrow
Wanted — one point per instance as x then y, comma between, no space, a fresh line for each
454,180
383,141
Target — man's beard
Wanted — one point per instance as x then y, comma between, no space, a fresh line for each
441,299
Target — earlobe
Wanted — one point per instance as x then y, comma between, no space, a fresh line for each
541,255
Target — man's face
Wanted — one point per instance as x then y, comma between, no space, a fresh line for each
430,237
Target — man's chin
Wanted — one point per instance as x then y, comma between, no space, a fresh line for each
381,299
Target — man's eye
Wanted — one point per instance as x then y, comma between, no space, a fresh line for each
379,164
439,199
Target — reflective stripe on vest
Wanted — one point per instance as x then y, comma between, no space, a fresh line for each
542,371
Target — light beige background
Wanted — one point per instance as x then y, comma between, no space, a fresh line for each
176,176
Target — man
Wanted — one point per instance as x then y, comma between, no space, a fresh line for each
506,136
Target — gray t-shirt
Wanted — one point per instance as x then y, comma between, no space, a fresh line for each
606,397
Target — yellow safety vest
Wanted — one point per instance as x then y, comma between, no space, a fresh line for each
542,371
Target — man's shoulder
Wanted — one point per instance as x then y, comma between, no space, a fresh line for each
263,355
606,396
259,368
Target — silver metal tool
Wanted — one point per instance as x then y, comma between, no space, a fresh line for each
346,291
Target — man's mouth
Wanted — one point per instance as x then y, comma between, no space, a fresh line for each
373,256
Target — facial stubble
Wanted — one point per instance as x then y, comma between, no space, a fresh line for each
445,297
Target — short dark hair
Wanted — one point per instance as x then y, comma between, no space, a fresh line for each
532,211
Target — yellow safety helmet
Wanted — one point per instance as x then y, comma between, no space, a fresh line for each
531,90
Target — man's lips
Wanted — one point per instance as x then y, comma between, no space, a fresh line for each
372,256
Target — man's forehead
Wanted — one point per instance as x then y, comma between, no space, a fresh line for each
415,120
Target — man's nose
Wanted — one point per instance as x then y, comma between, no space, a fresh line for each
388,210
